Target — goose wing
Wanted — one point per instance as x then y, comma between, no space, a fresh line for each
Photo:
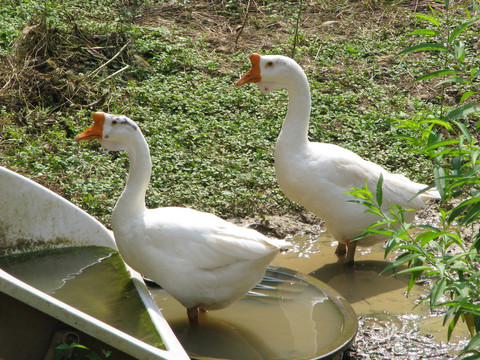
206,240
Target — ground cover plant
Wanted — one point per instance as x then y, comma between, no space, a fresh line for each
211,143
171,66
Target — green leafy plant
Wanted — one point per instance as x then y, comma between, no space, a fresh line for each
70,351
448,252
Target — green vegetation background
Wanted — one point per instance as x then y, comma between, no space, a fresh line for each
171,66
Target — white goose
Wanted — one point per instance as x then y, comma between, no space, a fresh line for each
318,175
202,260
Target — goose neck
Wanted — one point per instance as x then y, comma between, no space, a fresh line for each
132,200
295,125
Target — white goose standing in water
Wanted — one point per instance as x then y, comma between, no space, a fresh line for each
318,175
202,260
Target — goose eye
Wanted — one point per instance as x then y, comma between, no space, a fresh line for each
270,63
114,122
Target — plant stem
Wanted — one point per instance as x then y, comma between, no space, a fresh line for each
295,39
244,22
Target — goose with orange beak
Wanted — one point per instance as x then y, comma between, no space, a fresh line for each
202,260
319,175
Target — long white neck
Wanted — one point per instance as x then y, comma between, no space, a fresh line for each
132,201
295,126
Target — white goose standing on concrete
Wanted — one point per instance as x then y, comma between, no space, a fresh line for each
202,260
318,175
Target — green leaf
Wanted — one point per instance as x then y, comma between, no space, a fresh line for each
426,237
424,47
447,4
439,174
466,95
473,344
445,124
464,131
436,74
454,79
415,269
472,215
459,49
442,143
437,292
452,325
428,18
426,32
379,194
402,259
463,110
460,28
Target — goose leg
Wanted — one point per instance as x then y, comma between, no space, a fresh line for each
192,314
349,261
341,249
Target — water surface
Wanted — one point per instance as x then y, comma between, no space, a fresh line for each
91,279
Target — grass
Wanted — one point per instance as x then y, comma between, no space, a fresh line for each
211,143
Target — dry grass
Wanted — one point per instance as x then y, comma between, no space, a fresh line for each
55,68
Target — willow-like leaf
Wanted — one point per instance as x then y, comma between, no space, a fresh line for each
454,79
435,74
474,344
428,18
437,292
460,28
424,47
463,110
425,32
466,95
379,194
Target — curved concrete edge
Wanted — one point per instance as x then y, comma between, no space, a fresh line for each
350,320
34,216
81,321
175,349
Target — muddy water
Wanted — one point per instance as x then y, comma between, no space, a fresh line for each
288,318
92,279
380,300
285,318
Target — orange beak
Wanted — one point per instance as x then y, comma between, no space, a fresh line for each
253,75
96,130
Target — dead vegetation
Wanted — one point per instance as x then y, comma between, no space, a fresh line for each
56,68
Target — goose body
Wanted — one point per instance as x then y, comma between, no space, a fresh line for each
202,260
318,175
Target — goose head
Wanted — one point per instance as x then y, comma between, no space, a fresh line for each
113,132
271,72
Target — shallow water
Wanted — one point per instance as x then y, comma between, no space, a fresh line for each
285,317
290,319
92,279
289,322
380,300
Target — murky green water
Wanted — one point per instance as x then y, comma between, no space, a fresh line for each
91,279
285,318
